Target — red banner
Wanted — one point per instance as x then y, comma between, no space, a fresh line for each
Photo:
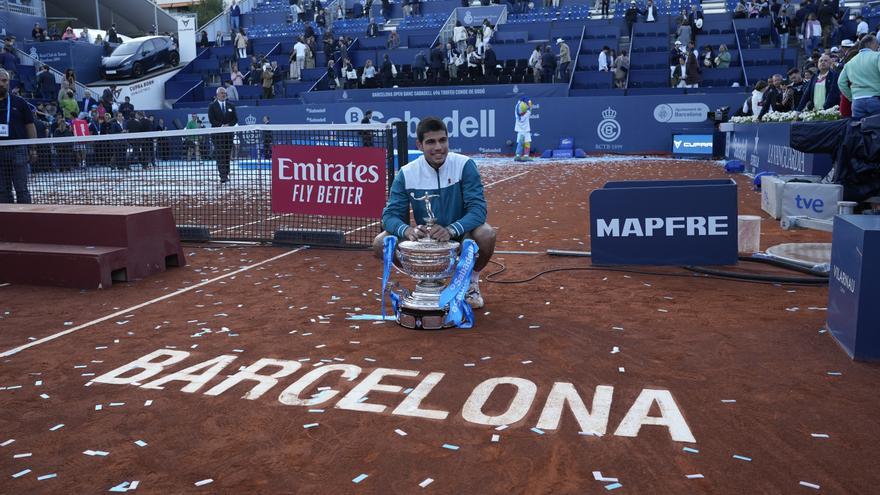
80,127
325,180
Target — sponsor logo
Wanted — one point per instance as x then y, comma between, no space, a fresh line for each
662,227
694,143
804,203
786,157
844,279
738,148
250,119
316,110
480,124
608,129
468,17
680,112
489,150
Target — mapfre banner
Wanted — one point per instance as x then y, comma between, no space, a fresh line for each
323,180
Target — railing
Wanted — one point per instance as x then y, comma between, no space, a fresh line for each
446,30
630,56
742,63
35,9
189,91
573,68
27,59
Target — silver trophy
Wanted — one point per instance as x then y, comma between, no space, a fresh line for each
430,263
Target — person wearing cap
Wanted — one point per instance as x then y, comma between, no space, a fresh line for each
673,57
860,79
845,46
564,58
861,26
522,114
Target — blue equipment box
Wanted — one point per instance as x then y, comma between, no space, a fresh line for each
681,222
854,286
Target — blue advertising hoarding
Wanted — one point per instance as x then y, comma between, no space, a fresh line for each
631,124
854,287
765,148
434,93
680,222
473,16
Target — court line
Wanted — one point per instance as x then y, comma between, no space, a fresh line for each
143,304
136,307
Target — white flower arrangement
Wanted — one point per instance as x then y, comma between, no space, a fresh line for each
832,113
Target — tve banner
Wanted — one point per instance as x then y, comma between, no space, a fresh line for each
323,180
687,222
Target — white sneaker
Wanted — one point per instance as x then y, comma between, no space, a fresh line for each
473,296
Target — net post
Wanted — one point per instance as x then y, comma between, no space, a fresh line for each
402,143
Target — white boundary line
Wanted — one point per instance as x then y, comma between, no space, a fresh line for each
69,331
143,304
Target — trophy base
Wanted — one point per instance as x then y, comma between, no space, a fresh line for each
419,319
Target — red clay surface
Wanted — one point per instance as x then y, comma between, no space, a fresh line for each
716,341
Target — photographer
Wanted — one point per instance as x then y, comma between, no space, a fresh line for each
793,91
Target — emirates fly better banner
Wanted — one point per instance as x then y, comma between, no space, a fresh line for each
325,180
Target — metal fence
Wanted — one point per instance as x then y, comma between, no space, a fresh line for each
217,181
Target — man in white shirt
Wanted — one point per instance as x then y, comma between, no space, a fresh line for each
603,59
300,49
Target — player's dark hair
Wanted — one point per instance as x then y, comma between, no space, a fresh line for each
429,124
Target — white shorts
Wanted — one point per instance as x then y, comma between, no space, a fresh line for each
523,137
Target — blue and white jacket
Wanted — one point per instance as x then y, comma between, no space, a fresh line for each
460,205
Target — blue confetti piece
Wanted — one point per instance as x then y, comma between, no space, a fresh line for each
692,451
359,478
613,486
538,431
743,458
450,446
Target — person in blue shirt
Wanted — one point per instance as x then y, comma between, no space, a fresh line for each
459,208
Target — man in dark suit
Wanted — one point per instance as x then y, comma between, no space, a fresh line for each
489,63
221,113
46,84
437,62
88,101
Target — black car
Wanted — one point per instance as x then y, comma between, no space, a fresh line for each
139,56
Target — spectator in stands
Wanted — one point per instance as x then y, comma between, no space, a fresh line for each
218,38
631,16
603,8
231,91
112,35
740,11
70,77
859,80
221,113
861,26
268,78
827,19
707,58
342,48
340,10
534,62
822,92
490,64
69,35
203,39
620,68
415,7
63,152
46,83
420,66
192,142
393,40
350,74
438,61
372,29
474,64
296,11
604,65
126,108
235,75
9,61
332,76
277,78
684,33
241,43
694,73
722,61
234,16
564,58
88,102
387,72
752,105
84,35
68,105
650,12
119,152
368,75
298,56
450,59
488,31
386,9
783,28
459,36
793,92
255,72
99,40
548,65
37,33
772,98
812,33
679,72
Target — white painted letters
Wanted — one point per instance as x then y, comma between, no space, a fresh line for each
290,395
410,405
519,406
251,373
371,383
212,368
150,368
670,416
563,393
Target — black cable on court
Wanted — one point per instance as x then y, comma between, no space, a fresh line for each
695,272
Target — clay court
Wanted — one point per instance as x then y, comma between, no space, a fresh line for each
773,404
